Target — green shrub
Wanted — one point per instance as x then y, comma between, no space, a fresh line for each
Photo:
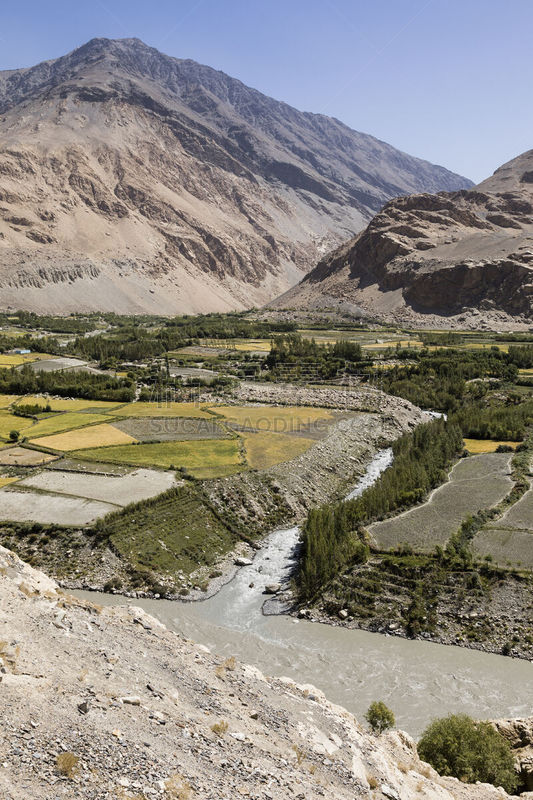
471,751
379,717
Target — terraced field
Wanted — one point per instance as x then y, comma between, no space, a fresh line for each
48,509
506,548
103,435
139,484
477,482
62,422
149,429
204,459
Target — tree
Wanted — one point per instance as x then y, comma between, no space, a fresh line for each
379,717
14,436
472,751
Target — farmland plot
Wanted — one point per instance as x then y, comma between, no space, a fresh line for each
94,436
477,482
163,409
510,540
120,490
24,457
265,450
506,547
209,458
149,429
19,506
62,422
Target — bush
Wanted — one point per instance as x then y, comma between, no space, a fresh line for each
471,751
14,436
379,717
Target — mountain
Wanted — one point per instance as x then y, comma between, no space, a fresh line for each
452,259
135,182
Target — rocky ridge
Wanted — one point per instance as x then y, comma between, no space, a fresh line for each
453,259
134,182
107,703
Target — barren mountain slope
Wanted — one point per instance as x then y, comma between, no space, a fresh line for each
107,703
456,259
132,181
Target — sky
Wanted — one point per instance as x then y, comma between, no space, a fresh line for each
445,80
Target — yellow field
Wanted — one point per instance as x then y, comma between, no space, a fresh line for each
7,399
6,481
485,445
161,410
17,360
66,404
275,419
244,345
208,458
525,371
64,422
265,450
95,436
10,423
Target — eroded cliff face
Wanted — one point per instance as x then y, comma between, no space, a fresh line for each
461,258
132,181
109,703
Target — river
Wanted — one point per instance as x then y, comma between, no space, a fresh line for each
417,679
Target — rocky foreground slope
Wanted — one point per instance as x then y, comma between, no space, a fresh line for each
452,259
106,703
135,182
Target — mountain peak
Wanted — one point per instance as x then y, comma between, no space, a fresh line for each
135,181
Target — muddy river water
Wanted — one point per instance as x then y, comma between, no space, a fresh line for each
417,679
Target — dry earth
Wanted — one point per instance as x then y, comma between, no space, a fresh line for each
103,704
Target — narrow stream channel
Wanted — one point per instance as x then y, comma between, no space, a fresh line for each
418,680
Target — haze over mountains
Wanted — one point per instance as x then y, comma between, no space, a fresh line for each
461,258
135,182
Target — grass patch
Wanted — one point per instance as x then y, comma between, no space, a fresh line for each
265,450
208,458
103,435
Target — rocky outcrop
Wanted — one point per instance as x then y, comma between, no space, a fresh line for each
183,189
456,259
100,702
519,733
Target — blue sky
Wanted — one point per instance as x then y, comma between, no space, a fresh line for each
445,80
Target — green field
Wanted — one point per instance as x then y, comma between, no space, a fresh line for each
203,459
62,422
178,533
